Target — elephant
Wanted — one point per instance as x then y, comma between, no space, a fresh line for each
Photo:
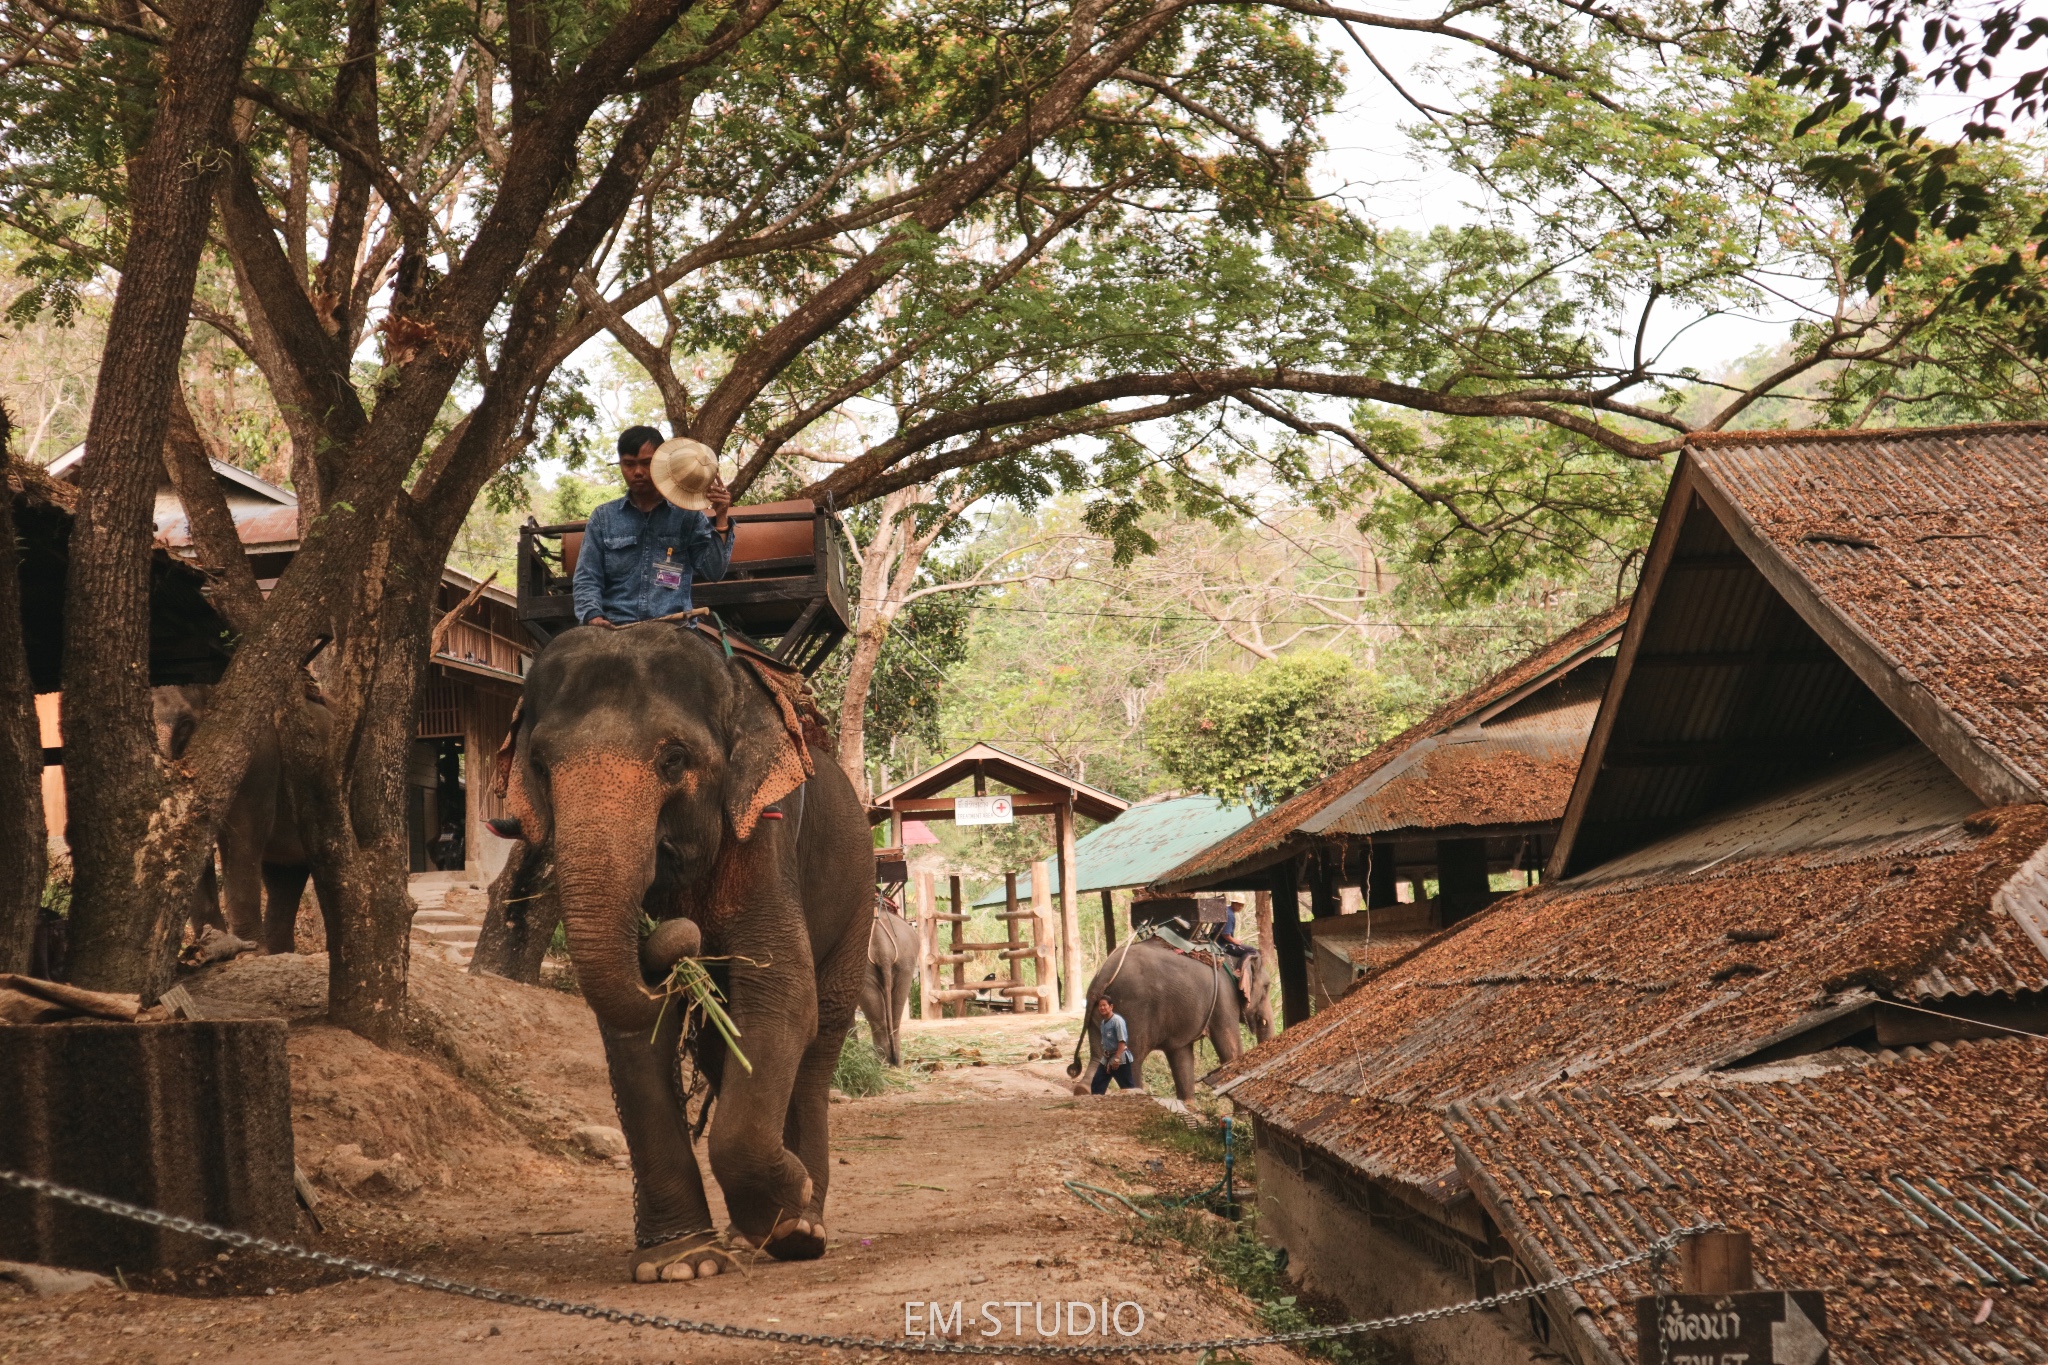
885,993
1170,1000
672,779
263,864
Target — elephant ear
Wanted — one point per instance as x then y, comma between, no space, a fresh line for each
508,783
769,757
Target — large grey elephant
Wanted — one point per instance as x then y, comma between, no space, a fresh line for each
885,992
1172,1000
263,865
668,779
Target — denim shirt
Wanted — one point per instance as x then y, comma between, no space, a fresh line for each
636,566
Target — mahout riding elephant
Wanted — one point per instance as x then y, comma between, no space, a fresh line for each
1171,1000
670,779
885,993
263,865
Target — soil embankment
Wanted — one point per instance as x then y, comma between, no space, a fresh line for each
459,1156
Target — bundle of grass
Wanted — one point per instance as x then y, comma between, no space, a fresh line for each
672,945
859,1072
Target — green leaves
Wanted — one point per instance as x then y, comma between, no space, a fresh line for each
1260,737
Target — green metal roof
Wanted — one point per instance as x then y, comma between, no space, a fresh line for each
1139,845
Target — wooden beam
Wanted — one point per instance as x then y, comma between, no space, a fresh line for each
1289,950
1108,920
1071,988
927,949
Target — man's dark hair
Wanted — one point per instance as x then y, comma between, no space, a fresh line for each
633,438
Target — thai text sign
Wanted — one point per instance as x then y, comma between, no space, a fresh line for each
983,810
1755,1327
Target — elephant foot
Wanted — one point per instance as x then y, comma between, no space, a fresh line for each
791,1239
697,1256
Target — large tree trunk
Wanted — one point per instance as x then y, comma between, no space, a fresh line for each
24,848
853,706
114,786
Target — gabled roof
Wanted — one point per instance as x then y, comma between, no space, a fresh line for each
1138,845
998,765
1451,770
1889,1182
1812,595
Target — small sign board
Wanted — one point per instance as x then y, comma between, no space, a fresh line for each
984,810
1754,1327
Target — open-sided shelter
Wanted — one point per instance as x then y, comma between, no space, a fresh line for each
1804,866
1477,788
1145,841
1038,791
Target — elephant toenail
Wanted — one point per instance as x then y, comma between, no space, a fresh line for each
706,1269
645,1274
677,1271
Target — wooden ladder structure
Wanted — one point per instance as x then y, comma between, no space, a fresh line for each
1014,950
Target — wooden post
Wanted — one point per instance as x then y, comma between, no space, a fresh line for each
1323,900
1290,954
1011,954
927,949
1074,985
1042,935
1108,920
1461,884
959,904
1379,877
1715,1263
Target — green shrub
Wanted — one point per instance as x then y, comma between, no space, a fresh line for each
859,1071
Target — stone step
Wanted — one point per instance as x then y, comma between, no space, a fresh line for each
424,917
448,933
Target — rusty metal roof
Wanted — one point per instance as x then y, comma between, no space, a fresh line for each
1912,1187
1696,960
1813,594
1452,769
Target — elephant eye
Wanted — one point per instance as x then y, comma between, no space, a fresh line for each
672,760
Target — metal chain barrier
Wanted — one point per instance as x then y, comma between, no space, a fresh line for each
49,1189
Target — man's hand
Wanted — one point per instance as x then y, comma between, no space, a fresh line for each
721,500
597,621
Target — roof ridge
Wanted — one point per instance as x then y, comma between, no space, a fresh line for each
1808,435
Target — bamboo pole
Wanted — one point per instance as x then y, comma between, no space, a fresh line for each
959,937
928,1006
1042,934
1070,908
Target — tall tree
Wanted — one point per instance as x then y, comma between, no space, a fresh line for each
24,845
113,785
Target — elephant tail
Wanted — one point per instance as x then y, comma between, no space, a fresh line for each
1074,1067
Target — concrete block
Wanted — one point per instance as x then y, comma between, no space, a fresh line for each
193,1118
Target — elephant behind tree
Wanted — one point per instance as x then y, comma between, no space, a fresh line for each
1172,1000
667,779
885,993
263,865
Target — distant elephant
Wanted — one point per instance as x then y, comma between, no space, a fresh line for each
885,993
667,778
1172,1000
263,867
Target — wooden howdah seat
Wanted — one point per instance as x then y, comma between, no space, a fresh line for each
786,583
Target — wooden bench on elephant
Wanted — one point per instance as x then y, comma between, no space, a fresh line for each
786,582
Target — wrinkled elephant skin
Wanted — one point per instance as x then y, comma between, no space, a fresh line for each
1170,1001
885,993
659,776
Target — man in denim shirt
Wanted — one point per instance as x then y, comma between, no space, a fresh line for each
642,552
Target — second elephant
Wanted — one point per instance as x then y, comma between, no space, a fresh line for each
885,995
1170,1001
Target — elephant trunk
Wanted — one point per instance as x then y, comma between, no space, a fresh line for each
605,830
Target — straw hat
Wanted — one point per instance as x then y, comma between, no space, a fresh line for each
683,469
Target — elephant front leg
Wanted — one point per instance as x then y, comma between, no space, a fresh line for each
672,1226
807,1130
766,1186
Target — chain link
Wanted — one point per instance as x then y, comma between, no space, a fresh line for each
247,1241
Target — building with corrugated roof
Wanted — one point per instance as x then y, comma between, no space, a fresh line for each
1801,878
1475,790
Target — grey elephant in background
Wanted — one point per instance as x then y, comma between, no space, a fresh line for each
263,864
1170,1001
885,995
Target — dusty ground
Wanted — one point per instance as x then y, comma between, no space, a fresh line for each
455,1157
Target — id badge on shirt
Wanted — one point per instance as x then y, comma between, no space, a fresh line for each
668,576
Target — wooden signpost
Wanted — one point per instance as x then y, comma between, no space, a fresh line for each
1718,1317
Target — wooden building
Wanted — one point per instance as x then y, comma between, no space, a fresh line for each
472,685
1475,791
1789,968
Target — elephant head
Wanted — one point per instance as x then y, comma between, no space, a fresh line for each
642,756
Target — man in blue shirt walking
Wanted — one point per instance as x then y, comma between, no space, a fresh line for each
641,552
1116,1050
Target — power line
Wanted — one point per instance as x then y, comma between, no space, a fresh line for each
1229,621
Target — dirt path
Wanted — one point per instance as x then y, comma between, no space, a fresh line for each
948,1190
